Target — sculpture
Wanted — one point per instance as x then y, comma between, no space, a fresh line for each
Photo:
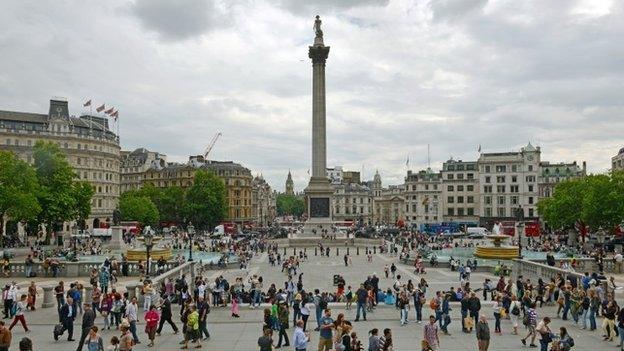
317,27
116,216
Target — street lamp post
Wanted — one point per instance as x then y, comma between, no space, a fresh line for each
149,243
191,231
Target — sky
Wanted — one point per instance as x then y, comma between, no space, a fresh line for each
400,75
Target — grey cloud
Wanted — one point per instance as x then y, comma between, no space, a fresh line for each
451,10
176,20
321,7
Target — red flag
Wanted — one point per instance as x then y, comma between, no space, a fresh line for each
109,111
101,108
88,103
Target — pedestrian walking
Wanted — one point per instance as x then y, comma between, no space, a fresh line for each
88,321
165,316
431,333
94,341
151,320
20,307
326,332
483,334
300,337
132,314
68,315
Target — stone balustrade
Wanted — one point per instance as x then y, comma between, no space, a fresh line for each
535,270
78,269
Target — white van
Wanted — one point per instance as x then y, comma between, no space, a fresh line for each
477,232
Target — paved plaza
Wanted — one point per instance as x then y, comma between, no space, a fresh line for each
241,334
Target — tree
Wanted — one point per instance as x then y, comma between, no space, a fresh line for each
18,189
206,202
172,204
134,207
83,192
290,205
57,195
563,209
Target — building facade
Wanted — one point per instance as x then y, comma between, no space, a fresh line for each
91,148
551,174
290,185
263,202
617,161
508,183
352,202
460,191
423,197
334,174
135,163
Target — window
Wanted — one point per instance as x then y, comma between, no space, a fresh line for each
488,179
530,200
514,179
460,188
470,199
470,211
435,186
513,189
488,212
500,188
487,188
487,200
16,142
530,188
449,176
450,199
500,200
469,187
470,176
487,169
460,211
500,179
460,199
501,169
500,211
449,188
530,179
531,214
426,186
451,211
530,168
514,168
514,200
8,141
460,176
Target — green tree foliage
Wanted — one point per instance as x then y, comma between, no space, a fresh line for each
206,202
136,207
61,198
18,189
290,205
172,204
596,200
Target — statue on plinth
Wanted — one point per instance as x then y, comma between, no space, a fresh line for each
317,27
116,216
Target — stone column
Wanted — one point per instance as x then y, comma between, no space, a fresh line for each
88,294
116,242
48,296
318,54
131,290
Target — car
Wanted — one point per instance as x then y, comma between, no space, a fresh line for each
476,236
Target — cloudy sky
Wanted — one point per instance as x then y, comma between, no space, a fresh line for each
401,74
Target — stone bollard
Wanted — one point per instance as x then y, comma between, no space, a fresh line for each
315,251
284,251
131,290
305,251
294,251
374,249
48,296
357,250
337,251
88,294
347,250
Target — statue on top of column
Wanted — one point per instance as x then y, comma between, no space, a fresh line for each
317,27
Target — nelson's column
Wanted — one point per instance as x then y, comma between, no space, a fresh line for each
319,191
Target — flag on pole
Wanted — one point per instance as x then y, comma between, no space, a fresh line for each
109,111
101,108
479,148
88,103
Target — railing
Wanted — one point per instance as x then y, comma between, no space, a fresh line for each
535,270
186,269
78,269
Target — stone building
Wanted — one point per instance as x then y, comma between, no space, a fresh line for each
91,147
508,181
263,202
135,163
460,191
617,161
551,174
352,202
334,174
423,197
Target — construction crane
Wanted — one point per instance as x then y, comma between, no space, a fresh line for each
210,145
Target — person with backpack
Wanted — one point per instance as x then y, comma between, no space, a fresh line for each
514,313
530,321
18,315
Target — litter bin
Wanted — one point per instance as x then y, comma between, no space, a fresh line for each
336,279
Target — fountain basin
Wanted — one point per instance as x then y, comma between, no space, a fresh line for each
494,252
141,254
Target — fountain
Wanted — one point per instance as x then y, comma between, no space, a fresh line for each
137,254
497,250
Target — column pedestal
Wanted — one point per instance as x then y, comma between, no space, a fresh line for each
48,296
116,242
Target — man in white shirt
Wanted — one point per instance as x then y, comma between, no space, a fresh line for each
618,258
132,313
300,338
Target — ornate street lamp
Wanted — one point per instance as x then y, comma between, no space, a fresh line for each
191,231
149,243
